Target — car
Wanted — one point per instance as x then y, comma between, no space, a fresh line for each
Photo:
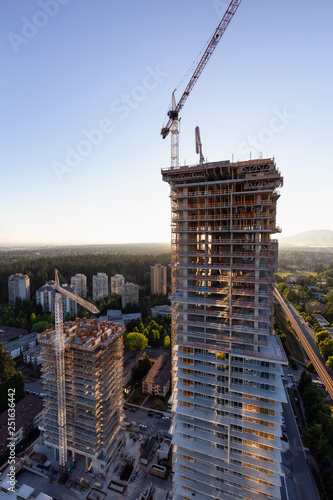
165,418
132,409
158,415
69,483
125,407
150,414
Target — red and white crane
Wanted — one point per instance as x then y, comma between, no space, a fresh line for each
173,114
59,348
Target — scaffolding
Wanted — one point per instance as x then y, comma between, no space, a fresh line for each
93,386
223,257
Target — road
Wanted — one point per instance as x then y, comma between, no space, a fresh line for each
306,338
294,461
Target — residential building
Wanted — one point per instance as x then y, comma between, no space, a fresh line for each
93,388
116,316
33,355
117,282
160,311
226,361
157,380
158,280
46,297
127,318
130,294
79,285
18,286
21,344
100,286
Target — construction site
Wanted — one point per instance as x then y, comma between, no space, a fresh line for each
93,361
226,361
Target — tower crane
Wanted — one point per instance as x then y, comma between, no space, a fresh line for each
60,361
173,122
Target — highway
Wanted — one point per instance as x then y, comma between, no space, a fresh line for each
306,338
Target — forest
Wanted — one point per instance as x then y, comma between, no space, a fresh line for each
40,268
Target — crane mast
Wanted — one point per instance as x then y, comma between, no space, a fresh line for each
173,122
60,362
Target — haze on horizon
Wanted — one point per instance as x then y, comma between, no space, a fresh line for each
105,73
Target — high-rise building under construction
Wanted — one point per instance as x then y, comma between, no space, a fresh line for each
226,360
93,360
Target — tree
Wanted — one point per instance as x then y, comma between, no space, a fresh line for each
329,362
326,348
40,326
32,318
7,364
304,381
310,367
67,317
317,440
282,286
289,295
143,367
167,341
135,341
154,337
322,335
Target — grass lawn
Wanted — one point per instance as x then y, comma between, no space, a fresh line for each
159,404
292,342
137,397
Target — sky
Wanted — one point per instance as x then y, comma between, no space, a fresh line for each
86,86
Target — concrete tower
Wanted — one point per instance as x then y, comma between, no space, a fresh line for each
226,360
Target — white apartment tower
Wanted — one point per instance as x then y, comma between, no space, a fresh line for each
100,286
46,297
130,294
18,286
117,282
79,283
158,279
226,360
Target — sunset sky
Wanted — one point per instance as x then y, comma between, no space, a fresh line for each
86,87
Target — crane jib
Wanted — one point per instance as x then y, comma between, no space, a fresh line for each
173,114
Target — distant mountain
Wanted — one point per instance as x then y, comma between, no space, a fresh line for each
318,238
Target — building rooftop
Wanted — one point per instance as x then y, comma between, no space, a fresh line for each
43,496
9,332
132,316
25,491
160,372
86,333
25,411
25,339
